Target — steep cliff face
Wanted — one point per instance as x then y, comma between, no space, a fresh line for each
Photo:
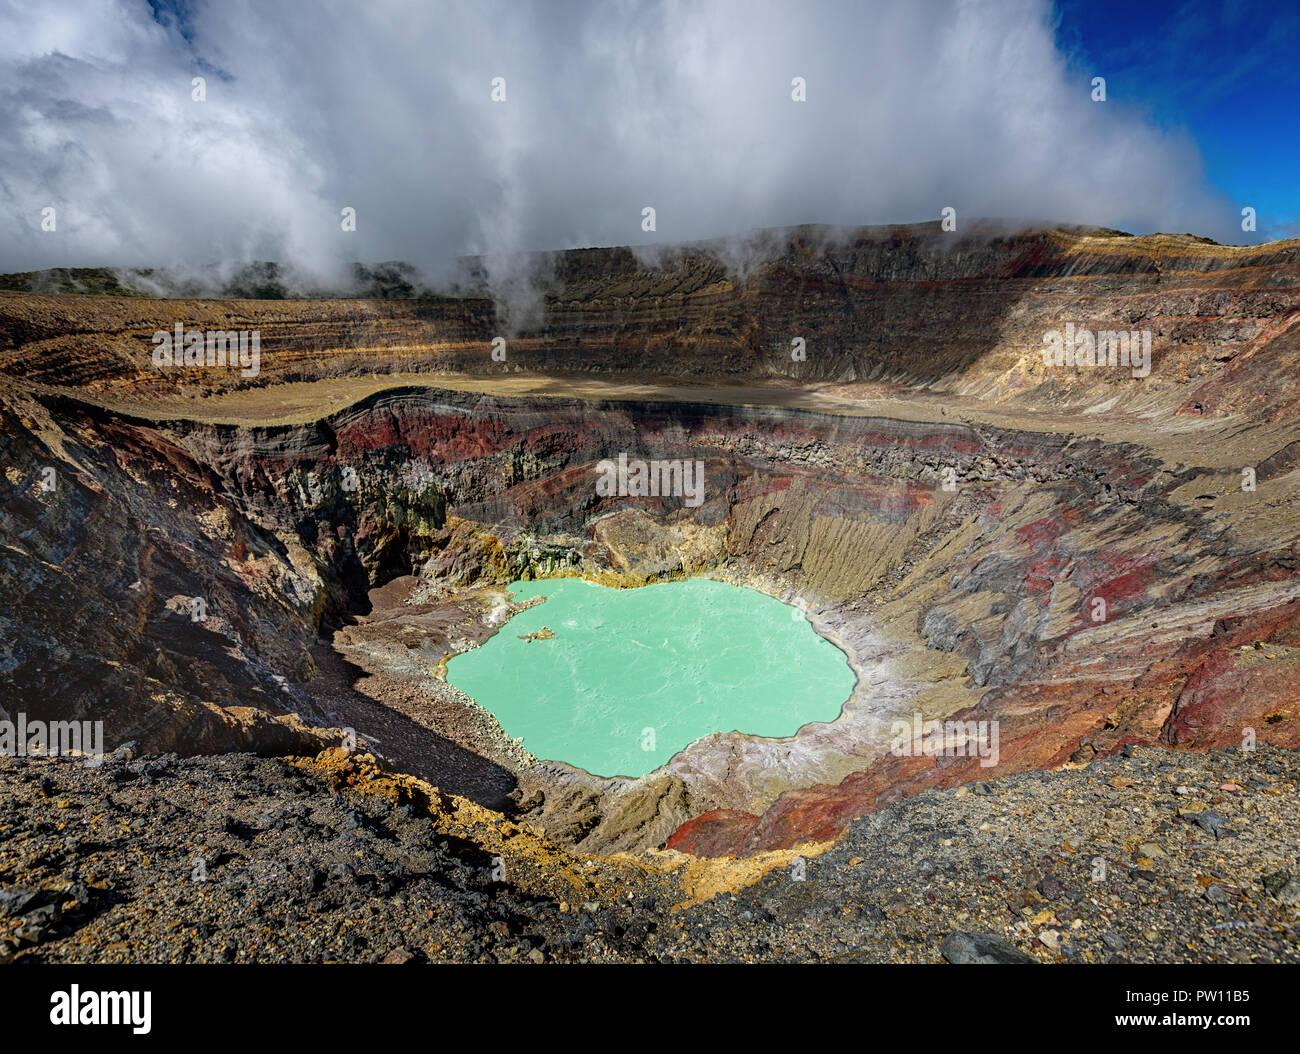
136,593
1074,556
962,314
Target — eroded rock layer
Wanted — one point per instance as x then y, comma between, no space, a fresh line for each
902,306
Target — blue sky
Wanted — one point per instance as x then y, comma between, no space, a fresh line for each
1228,72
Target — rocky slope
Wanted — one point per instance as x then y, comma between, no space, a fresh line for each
1162,857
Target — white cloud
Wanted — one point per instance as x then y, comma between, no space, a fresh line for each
912,105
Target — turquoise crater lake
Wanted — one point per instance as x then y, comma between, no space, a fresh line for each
634,675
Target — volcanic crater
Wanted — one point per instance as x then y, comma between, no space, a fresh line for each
1070,553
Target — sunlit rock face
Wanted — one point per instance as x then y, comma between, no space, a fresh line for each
963,314
1074,555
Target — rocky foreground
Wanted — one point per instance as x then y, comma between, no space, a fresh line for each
1160,856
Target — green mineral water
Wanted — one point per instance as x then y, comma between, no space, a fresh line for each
634,675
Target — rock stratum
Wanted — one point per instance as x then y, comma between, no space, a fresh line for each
281,564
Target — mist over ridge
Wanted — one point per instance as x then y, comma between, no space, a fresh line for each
494,129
